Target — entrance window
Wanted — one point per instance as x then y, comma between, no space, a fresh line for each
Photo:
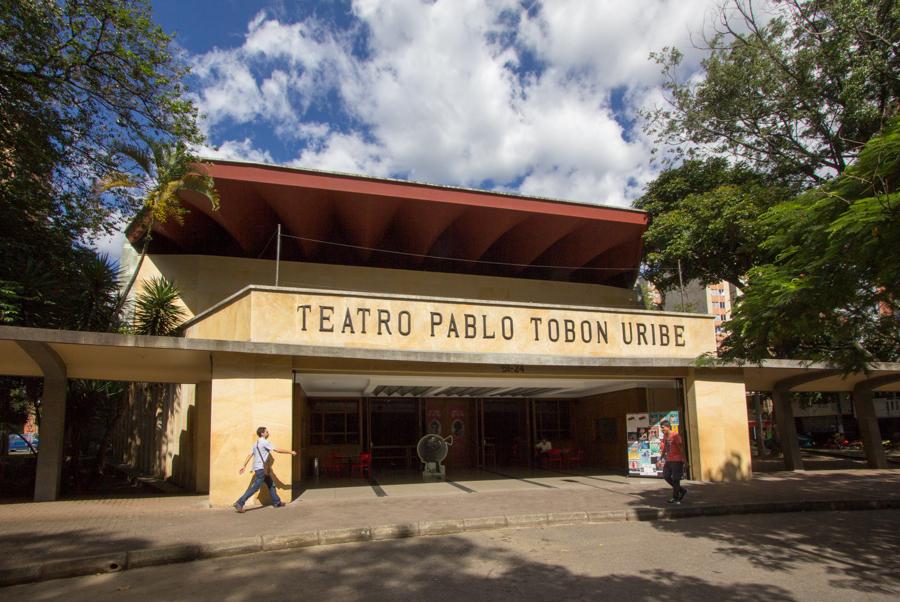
334,423
552,419
394,422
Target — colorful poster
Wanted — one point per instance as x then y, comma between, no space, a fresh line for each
644,436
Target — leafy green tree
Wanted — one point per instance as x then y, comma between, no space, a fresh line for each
67,288
80,292
794,88
771,184
704,215
163,171
832,289
77,78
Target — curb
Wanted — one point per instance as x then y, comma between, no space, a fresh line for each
116,562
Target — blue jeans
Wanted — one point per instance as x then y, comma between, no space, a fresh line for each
259,477
672,473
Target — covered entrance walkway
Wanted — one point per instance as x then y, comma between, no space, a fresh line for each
492,423
394,482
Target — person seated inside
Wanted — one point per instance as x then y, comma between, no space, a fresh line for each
542,446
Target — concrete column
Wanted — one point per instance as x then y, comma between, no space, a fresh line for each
247,392
787,429
53,420
868,422
784,414
716,408
201,426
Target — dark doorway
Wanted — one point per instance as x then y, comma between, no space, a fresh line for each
394,430
504,430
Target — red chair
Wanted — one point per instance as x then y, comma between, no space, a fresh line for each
554,456
334,465
363,465
573,459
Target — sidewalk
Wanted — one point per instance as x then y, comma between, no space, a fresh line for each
57,539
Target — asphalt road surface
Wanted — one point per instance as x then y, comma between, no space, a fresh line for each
799,556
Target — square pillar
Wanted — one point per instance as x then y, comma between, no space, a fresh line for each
787,429
869,431
201,430
248,392
53,428
716,420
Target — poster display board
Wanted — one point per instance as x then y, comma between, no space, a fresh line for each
644,435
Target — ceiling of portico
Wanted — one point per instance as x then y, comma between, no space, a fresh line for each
361,385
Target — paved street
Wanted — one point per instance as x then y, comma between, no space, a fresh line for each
79,528
807,556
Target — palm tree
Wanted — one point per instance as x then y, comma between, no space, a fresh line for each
156,309
164,171
95,293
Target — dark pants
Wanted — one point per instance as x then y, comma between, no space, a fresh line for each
259,477
672,473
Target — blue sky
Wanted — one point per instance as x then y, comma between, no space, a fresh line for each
539,98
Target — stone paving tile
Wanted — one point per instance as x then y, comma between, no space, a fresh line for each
76,528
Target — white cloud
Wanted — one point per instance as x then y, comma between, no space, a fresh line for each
346,153
229,89
441,93
236,150
611,40
272,78
109,245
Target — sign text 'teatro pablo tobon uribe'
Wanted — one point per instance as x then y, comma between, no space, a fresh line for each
415,324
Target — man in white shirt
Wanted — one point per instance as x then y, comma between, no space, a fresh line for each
542,446
261,454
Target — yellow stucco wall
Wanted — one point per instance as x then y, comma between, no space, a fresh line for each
155,434
234,319
248,392
717,420
203,281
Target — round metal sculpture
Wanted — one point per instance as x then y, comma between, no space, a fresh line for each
432,449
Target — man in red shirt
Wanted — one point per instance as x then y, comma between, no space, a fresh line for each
672,459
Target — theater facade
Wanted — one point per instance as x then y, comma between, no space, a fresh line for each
351,314
495,318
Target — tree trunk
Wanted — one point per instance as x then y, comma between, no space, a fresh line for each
137,269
